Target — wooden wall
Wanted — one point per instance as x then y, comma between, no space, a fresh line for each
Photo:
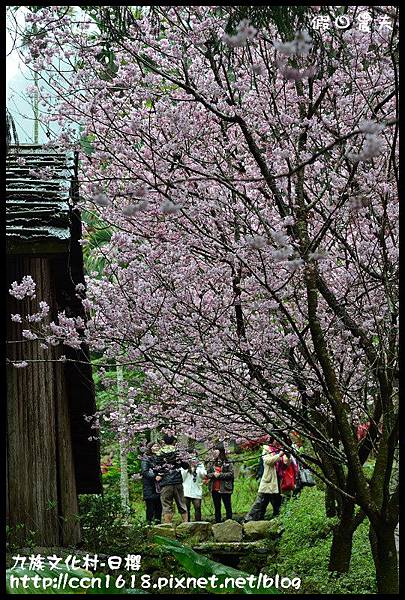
41,490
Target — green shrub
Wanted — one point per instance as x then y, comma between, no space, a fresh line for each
20,535
305,545
105,528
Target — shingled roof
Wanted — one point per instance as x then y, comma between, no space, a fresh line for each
38,208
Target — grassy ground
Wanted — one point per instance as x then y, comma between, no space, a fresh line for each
305,545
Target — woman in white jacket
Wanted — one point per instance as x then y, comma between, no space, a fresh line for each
192,485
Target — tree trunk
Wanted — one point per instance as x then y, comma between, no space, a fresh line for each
341,549
382,540
124,489
330,502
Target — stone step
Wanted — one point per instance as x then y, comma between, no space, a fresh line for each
234,548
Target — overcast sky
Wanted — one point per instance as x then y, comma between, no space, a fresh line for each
17,79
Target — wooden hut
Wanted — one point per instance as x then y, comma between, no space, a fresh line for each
50,458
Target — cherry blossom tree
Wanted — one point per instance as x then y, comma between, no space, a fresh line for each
250,183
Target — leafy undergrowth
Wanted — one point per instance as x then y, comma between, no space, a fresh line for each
198,566
304,549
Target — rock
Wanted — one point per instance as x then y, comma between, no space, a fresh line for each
163,529
229,531
195,532
260,530
239,548
239,517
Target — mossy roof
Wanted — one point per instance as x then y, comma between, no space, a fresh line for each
38,208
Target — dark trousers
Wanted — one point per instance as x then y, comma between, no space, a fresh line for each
196,502
258,510
226,499
153,510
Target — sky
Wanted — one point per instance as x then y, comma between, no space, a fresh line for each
17,79
12,60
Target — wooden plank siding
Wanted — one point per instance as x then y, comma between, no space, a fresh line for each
40,471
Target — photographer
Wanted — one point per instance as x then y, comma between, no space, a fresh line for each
269,488
170,480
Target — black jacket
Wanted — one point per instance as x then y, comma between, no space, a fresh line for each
260,469
168,466
148,478
226,477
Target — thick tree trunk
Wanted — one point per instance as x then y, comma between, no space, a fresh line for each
382,539
341,549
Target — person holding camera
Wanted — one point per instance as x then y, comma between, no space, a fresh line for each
151,491
269,488
170,480
193,478
220,476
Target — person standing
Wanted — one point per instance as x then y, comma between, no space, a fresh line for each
192,486
296,444
220,482
170,479
151,493
289,480
269,488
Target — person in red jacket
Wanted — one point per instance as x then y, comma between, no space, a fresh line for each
220,477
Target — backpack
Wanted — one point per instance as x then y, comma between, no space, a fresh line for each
288,480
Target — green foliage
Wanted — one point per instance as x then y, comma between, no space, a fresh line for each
106,530
134,462
20,535
105,526
86,143
98,234
198,565
305,545
111,479
243,496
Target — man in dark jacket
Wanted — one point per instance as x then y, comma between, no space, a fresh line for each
151,493
170,479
